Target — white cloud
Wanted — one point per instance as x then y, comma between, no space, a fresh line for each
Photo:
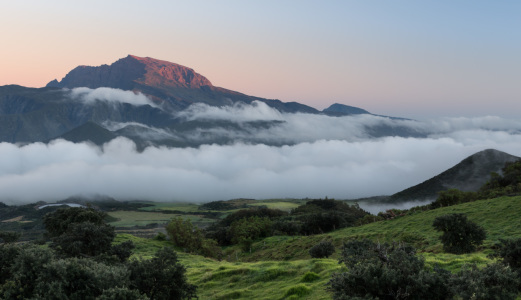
325,156
334,168
238,112
110,95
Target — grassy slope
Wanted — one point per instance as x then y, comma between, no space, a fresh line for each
277,266
500,218
300,279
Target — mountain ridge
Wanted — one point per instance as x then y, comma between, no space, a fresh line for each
468,175
42,114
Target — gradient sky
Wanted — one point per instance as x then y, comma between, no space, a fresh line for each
409,58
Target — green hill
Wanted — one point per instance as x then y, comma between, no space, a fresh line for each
280,267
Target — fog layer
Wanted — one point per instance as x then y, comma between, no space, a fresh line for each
334,168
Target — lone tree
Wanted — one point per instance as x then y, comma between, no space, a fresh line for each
82,232
322,249
459,234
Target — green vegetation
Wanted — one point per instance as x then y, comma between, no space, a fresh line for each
387,271
459,234
125,218
322,249
83,263
185,235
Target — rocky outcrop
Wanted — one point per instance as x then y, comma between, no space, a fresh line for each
130,73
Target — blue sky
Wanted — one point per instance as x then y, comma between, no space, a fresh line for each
415,59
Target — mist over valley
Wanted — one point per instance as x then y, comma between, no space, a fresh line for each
149,136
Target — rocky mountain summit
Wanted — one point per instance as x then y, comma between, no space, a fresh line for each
131,73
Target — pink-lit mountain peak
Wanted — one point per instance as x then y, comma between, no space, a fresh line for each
131,72
160,72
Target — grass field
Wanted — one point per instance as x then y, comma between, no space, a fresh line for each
280,267
173,206
301,279
282,205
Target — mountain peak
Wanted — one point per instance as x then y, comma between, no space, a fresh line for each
468,175
342,109
133,72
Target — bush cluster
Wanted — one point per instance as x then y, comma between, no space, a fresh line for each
393,271
459,234
82,263
324,249
191,238
315,217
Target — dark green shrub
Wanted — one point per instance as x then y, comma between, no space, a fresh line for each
9,236
79,232
250,229
24,271
322,249
161,277
122,251
310,277
78,278
160,237
510,253
459,234
84,238
121,294
453,197
383,271
495,281
506,184
57,222
8,256
183,234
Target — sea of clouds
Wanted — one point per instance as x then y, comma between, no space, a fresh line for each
324,156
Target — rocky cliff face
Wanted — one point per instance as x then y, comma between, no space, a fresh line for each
130,73
163,73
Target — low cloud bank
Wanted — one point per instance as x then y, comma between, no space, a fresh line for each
110,95
333,168
323,156
300,127
238,112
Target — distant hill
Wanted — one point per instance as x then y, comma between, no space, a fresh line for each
91,132
468,175
344,110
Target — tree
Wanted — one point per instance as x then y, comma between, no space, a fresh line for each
82,232
24,271
453,197
161,277
57,222
510,253
84,239
184,234
459,234
384,271
78,278
322,249
9,236
495,281
250,229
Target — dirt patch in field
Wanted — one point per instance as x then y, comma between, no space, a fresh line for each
17,219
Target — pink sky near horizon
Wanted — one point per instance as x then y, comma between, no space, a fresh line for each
405,58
